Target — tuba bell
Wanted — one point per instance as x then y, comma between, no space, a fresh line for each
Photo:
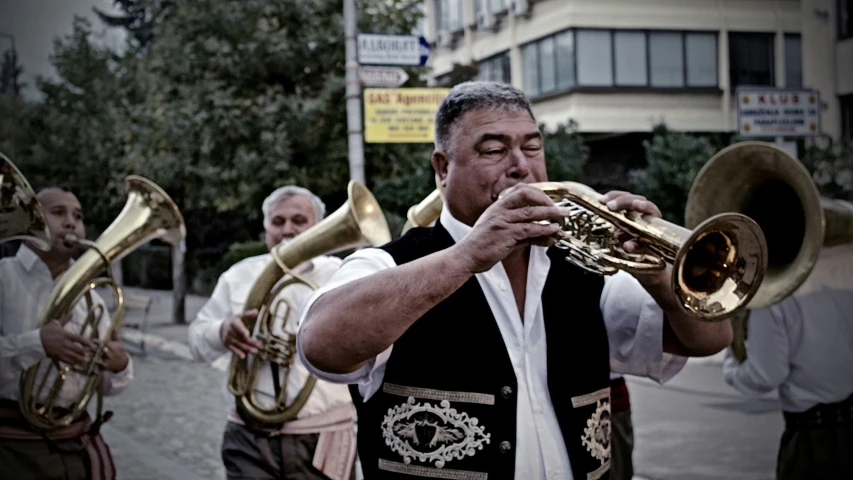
427,211
766,183
148,214
21,215
358,223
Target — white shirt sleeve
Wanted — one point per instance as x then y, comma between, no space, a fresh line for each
767,365
25,349
358,265
634,324
203,333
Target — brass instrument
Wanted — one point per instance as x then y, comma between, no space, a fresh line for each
765,182
717,266
358,223
148,214
21,215
427,211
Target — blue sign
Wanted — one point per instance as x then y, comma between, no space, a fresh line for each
381,49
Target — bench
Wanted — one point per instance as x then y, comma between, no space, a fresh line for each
142,304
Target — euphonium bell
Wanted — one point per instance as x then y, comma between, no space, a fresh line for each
427,211
358,223
717,266
766,183
21,215
148,214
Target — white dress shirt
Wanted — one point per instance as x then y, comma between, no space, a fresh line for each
25,285
635,331
228,299
803,345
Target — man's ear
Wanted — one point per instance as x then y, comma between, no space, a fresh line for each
440,163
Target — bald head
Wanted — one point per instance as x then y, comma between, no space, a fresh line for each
64,216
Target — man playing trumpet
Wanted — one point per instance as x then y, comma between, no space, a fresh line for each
476,352
319,443
26,281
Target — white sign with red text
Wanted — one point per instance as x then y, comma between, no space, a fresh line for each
778,112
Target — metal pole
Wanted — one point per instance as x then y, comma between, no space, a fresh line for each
353,95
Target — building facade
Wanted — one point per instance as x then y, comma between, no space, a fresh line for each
620,66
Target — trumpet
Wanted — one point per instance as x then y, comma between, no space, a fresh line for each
717,266
427,211
21,215
148,214
358,223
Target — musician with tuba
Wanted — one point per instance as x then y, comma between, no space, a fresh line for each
318,443
75,451
473,350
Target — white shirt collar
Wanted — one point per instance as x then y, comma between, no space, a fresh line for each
454,227
27,257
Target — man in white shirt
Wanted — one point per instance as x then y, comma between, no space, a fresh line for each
26,282
320,442
803,346
474,352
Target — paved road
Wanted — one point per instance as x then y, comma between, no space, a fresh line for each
168,424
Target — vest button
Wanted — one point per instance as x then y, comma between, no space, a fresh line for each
506,392
505,447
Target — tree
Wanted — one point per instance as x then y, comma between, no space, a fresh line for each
565,153
673,161
831,169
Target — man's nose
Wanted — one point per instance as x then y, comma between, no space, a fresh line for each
69,221
288,229
519,167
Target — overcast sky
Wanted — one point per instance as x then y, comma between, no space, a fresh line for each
35,23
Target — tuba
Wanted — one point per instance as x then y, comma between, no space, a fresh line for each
427,211
21,215
766,183
717,266
358,223
148,214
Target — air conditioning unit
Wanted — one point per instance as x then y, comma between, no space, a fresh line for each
444,39
519,8
486,20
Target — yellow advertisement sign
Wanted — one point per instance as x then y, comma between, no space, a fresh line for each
401,115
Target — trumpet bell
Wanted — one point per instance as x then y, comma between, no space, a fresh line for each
765,183
427,211
21,215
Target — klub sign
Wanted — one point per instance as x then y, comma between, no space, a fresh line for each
778,112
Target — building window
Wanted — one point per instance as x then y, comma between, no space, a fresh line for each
595,58
751,59
449,15
845,19
666,54
620,58
701,54
847,117
496,68
793,61
630,58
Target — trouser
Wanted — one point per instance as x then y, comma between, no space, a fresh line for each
68,453
621,432
817,444
251,456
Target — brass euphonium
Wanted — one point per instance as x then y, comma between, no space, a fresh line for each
717,266
765,182
427,211
148,214
21,215
358,223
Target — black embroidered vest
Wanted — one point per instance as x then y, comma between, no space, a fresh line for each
447,404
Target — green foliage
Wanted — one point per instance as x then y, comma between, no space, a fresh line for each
240,251
10,74
565,153
831,169
674,159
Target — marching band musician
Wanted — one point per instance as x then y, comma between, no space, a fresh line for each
320,442
803,346
26,280
474,351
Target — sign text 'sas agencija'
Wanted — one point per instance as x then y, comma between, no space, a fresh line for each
401,115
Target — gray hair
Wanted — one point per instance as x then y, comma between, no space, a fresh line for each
471,96
283,193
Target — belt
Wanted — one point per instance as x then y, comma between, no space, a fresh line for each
821,415
620,400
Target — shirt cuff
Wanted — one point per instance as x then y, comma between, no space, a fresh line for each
646,357
30,344
118,381
213,338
